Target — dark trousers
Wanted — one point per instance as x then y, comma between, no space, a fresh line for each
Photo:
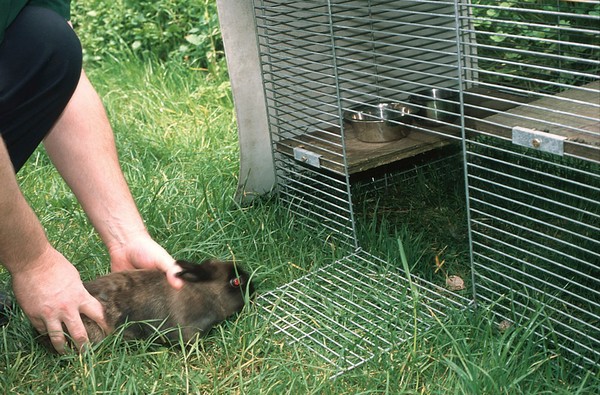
40,66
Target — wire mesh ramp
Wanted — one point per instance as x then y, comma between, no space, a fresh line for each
353,309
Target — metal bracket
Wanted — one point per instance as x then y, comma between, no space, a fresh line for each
539,140
308,157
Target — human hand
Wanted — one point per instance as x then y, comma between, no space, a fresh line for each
51,294
142,252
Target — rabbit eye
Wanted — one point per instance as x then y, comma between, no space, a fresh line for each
235,282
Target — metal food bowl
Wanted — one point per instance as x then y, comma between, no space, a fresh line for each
380,122
437,106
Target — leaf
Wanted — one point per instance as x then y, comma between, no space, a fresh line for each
504,325
195,39
492,13
455,283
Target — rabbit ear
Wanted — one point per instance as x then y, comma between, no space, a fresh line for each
195,273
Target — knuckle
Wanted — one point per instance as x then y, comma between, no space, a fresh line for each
79,337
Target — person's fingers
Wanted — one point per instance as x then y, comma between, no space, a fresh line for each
56,335
95,311
78,336
172,278
39,325
77,332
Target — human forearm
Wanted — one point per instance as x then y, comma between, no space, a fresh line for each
22,238
82,148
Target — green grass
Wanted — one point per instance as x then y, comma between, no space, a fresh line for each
430,215
176,136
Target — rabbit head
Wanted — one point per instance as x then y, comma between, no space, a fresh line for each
213,291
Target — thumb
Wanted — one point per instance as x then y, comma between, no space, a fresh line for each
171,272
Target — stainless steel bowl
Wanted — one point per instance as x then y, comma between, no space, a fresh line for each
379,122
437,106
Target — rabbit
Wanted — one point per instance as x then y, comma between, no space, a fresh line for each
212,291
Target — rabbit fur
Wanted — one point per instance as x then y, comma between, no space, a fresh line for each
213,290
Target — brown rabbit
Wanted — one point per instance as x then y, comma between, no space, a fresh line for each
212,291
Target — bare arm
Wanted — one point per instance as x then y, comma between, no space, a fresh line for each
47,287
82,148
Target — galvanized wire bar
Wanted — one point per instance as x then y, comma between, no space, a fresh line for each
320,199
444,163
321,59
569,343
520,191
552,282
535,222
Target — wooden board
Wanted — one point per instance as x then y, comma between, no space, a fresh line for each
360,156
481,102
561,115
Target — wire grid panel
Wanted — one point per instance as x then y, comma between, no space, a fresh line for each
301,91
349,311
534,170
321,59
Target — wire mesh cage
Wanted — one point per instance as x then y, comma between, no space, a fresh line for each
498,100
533,170
320,62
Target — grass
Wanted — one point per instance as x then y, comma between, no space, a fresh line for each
432,216
176,136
